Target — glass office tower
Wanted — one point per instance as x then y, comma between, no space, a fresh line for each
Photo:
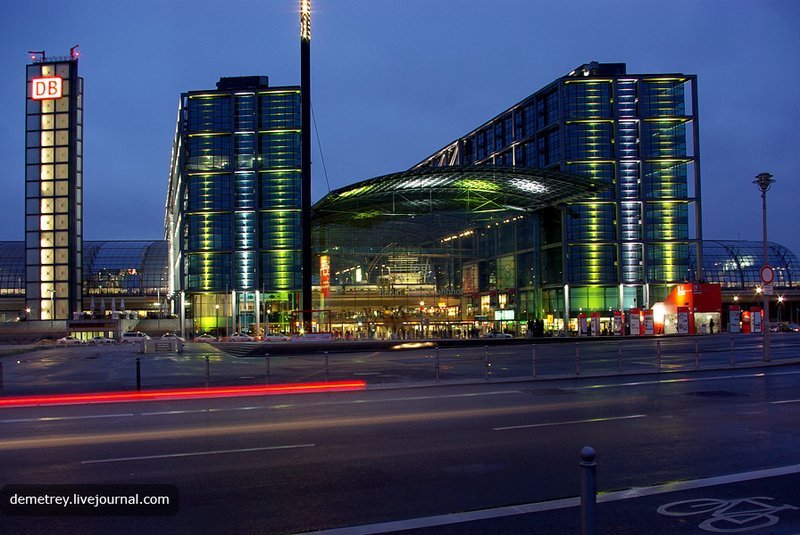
233,206
626,246
53,187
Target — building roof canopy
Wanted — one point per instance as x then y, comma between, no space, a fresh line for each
437,200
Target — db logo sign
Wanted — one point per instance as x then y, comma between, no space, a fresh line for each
46,88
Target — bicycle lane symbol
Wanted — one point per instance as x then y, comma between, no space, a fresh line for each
729,516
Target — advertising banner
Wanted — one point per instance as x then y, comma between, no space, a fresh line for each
635,322
325,275
755,321
582,327
734,317
595,324
683,320
618,322
649,324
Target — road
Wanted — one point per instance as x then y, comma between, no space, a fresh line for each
301,463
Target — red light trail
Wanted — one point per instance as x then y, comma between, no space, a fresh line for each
181,393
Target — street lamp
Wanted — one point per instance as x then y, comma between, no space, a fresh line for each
780,307
764,181
216,321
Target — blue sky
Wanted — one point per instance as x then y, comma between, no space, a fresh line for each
395,80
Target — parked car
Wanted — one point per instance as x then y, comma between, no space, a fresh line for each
276,338
100,340
205,338
68,341
171,336
794,327
236,337
497,334
133,337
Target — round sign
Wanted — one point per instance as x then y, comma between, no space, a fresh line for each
767,274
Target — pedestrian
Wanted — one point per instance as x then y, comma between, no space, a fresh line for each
711,326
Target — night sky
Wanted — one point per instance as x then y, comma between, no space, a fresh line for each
395,80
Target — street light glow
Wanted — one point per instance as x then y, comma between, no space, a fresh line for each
305,19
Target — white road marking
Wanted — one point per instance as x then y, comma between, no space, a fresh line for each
485,514
58,418
200,411
196,453
591,420
785,401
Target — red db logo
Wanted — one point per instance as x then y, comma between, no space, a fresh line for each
46,88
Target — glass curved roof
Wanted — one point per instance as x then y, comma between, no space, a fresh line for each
736,264
12,268
131,267
109,267
428,202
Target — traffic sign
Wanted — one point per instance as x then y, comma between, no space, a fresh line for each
767,274
766,289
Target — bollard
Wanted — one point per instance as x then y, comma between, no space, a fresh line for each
436,363
533,357
486,353
732,363
208,370
138,374
696,354
588,490
619,356
266,366
327,368
658,355
577,359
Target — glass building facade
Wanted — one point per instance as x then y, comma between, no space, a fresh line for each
233,205
628,244
53,187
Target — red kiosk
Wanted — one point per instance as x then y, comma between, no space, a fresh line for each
701,302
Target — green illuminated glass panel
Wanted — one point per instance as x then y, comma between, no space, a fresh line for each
591,264
210,232
668,262
665,180
593,222
280,270
588,100
667,221
598,172
280,230
208,272
662,98
210,114
663,139
209,153
280,150
280,111
593,299
209,192
279,190
586,141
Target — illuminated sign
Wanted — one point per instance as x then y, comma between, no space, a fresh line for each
325,275
48,88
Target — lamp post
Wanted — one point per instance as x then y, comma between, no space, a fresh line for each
216,321
764,181
780,307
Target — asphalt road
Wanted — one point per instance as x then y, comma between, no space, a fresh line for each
301,463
